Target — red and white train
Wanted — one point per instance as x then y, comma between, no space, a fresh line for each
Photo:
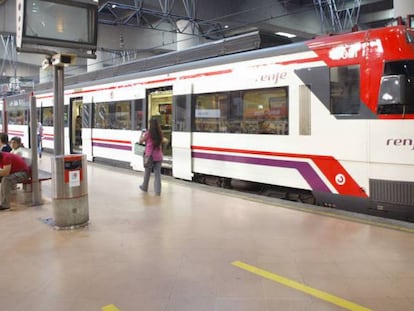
333,116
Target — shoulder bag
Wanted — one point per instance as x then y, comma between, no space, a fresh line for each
148,161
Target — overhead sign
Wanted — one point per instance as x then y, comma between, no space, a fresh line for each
59,23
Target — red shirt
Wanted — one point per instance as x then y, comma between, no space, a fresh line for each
18,164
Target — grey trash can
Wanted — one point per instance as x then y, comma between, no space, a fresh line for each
70,191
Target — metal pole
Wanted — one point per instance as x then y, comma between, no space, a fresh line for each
58,125
36,197
58,85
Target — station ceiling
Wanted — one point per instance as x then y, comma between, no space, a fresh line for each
217,19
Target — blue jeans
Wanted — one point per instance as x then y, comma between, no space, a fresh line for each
39,144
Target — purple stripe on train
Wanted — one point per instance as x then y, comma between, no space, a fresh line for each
307,172
112,146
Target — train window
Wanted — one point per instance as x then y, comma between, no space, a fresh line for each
116,115
208,113
181,112
101,116
47,116
263,111
86,115
17,115
345,91
235,113
66,116
410,36
266,111
138,114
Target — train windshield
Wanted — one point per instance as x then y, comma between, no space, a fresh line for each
397,88
410,36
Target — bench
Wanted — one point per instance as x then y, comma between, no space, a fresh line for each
25,196
42,176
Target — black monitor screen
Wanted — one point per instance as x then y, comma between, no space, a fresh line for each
60,23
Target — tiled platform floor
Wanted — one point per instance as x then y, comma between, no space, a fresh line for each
175,253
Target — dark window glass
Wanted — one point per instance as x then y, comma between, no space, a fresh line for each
345,92
181,112
138,114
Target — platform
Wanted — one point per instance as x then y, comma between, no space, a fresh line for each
197,248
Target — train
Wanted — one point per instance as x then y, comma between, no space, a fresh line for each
331,117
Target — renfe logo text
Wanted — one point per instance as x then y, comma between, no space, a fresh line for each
400,142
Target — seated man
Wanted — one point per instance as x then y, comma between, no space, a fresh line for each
13,170
4,143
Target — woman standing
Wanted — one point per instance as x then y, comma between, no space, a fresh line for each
153,139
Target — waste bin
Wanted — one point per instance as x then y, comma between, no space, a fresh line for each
70,191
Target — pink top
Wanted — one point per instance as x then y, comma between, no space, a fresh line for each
150,149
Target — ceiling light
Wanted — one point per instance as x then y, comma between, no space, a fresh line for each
285,34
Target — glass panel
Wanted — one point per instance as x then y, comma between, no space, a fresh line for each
262,111
47,116
113,115
122,116
305,110
181,123
139,114
101,116
66,116
17,115
207,113
345,92
235,114
59,24
266,111
86,115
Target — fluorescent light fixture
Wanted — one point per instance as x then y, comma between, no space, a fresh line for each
285,34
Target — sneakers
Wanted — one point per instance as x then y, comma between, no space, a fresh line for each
142,188
3,208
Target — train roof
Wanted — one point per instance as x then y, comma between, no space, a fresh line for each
209,51
213,53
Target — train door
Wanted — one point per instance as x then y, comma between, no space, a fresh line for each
181,135
75,125
160,106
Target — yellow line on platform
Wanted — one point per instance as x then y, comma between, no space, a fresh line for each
110,308
301,287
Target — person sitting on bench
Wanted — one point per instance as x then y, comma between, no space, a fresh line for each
13,170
